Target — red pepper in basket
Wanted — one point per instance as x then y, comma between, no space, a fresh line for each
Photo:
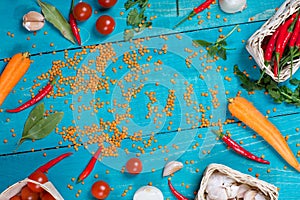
90,166
238,149
35,99
73,24
175,192
197,10
44,168
293,41
283,39
270,46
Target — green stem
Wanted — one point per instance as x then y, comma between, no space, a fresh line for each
261,76
226,36
289,96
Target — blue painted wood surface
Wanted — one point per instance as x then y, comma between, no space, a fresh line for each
17,165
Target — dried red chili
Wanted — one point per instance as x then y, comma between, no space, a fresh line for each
90,166
73,24
35,99
239,149
175,192
44,168
196,10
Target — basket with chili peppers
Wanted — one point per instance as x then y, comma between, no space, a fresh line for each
276,45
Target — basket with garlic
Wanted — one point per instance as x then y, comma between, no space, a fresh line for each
220,182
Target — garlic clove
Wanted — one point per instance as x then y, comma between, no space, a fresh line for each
259,196
148,193
232,191
232,6
172,167
217,193
33,21
242,190
250,195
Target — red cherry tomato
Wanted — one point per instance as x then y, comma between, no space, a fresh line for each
134,166
107,3
82,11
100,190
105,24
28,194
47,196
15,198
37,176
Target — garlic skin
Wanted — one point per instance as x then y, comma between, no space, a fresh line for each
33,21
232,6
148,193
172,167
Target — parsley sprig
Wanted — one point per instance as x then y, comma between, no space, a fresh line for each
279,93
136,18
216,48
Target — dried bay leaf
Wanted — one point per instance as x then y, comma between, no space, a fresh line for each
35,115
42,128
53,16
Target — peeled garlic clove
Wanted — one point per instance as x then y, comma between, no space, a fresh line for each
260,196
242,190
33,21
232,6
217,193
172,167
148,193
232,191
250,195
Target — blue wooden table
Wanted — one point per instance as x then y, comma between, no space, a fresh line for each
154,132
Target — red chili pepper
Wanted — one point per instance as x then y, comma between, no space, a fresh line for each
297,45
283,39
175,192
35,99
196,10
44,168
270,46
293,41
90,166
238,149
73,24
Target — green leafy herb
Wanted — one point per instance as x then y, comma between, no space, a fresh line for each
37,126
136,18
279,94
35,115
53,15
217,48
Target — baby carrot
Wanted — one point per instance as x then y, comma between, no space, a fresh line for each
244,110
13,72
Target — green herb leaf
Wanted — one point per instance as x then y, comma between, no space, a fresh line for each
295,81
222,53
202,43
43,127
131,3
35,115
212,51
133,18
53,15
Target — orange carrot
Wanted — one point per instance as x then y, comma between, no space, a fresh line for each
13,72
243,110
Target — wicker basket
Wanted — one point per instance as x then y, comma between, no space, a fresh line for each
16,188
254,43
265,188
